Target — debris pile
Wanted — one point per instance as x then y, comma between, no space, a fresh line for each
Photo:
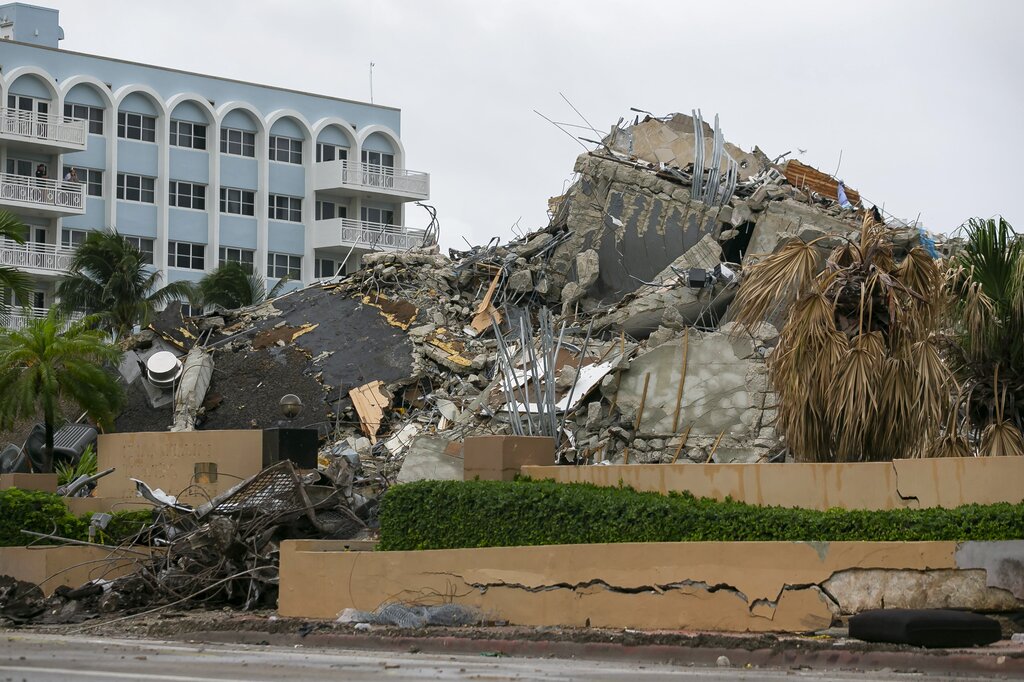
609,329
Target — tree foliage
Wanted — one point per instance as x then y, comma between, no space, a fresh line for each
986,283
233,285
857,369
109,278
47,361
12,229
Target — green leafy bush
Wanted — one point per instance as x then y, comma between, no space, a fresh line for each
454,514
43,512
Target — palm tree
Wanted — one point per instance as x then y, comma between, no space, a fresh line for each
109,278
233,285
986,283
47,361
11,228
857,369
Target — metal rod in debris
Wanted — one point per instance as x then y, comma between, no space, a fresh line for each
575,379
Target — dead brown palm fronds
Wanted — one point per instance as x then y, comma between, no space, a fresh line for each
857,373
777,281
953,443
1001,438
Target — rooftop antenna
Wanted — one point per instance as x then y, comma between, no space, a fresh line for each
371,82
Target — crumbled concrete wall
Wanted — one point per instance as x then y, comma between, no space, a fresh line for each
875,588
637,223
726,393
782,221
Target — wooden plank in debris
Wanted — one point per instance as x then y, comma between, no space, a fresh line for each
485,312
807,177
370,402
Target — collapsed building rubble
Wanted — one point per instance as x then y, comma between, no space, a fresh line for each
639,263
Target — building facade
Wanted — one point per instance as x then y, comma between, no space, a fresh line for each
195,170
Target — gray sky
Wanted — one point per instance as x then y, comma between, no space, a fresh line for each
924,99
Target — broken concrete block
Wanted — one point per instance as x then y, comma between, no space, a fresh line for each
859,590
587,268
521,281
432,458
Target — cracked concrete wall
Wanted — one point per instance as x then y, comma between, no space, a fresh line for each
903,483
729,586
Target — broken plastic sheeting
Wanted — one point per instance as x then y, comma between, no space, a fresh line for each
587,379
158,497
370,401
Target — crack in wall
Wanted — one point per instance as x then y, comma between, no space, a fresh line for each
906,498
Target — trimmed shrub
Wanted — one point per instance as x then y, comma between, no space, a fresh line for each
43,512
456,514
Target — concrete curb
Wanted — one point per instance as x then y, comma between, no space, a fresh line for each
786,656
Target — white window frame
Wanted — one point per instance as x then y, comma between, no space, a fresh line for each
281,264
284,205
285,149
246,139
186,131
337,152
383,159
92,178
145,246
146,126
194,253
71,238
236,254
12,167
144,180
365,212
338,210
93,116
245,197
185,194
321,272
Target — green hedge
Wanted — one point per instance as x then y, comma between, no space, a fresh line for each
46,513
453,514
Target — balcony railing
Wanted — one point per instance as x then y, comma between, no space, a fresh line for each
346,232
35,256
43,127
43,192
18,318
371,176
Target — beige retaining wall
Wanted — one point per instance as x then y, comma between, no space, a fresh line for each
729,586
914,483
51,566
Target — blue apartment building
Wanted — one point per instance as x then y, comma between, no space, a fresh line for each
194,169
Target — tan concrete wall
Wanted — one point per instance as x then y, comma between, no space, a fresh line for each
45,482
499,458
167,460
913,483
731,586
50,567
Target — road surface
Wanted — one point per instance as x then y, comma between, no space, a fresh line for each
35,657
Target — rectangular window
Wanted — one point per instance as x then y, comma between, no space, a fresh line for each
330,152
237,142
282,265
186,255
72,239
20,167
379,159
326,267
29,104
136,126
187,195
285,208
90,177
231,254
188,135
237,201
135,188
378,215
94,116
144,245
328,210
285,149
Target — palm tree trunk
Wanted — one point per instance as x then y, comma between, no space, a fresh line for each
48,449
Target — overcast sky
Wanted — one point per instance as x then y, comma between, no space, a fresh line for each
924,99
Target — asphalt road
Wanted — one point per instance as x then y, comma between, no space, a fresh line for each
33,657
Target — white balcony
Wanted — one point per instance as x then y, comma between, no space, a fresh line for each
58,133
366,179
343,232
18,318
40,196
34,258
